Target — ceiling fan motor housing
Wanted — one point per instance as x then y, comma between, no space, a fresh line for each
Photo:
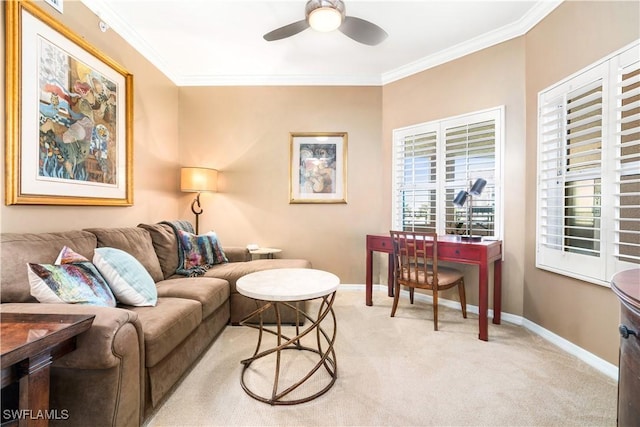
317,4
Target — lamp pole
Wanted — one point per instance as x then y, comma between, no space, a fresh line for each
197,213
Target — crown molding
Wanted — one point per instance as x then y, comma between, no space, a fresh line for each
278,80
508,32
104,11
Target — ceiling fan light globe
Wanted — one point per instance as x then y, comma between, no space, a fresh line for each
325,19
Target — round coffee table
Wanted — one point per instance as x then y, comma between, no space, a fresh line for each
286,286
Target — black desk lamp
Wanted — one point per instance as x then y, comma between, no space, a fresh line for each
461,198
197,180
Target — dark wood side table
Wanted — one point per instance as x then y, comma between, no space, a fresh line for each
29,343
626,285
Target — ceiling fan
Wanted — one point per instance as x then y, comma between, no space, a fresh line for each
329,15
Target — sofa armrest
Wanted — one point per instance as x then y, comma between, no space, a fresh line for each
104,344
237,254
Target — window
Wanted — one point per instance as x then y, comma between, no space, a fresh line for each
433,161
589,171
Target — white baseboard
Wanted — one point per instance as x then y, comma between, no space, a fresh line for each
591,359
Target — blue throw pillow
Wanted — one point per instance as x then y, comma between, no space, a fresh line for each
130,282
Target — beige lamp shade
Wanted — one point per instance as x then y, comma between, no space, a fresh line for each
195,180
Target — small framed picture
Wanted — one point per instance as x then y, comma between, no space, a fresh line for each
318,167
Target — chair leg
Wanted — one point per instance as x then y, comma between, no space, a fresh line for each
463,298
411,294
396,296
435,310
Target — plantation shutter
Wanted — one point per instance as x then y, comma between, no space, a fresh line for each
415,181
627,163
570,175
470,153
550,182
431,161
589,171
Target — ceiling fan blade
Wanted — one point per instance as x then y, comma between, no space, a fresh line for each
286,31
362,31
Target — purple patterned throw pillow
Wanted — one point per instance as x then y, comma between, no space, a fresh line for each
201,250
77,283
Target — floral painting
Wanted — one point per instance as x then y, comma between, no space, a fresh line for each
318,167
78,132
69,116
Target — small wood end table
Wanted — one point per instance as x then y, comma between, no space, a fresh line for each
29,343
267,252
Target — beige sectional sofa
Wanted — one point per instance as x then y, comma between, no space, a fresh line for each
131,357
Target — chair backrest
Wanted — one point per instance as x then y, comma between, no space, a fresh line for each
415,258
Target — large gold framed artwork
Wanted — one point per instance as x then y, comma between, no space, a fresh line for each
69,112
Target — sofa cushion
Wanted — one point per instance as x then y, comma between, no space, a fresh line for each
77,283
133,240
165,244
128,279
18,249
211,293
166,325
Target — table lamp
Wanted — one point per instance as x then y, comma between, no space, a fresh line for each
461,198
198,180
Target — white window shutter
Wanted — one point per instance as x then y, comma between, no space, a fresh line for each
588,212
415,182
432,161
627,162
470,153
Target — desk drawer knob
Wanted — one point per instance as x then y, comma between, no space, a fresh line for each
384,244
625,332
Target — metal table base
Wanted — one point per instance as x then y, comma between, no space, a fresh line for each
323,348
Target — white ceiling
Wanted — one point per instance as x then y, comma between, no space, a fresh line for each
219,42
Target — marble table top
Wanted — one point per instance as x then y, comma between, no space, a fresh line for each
287,284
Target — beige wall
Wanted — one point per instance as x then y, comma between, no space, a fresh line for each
155,132
244,132
584,313
486,79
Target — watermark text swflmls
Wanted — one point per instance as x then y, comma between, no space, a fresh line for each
30,414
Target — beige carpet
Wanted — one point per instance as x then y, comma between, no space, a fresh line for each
399,372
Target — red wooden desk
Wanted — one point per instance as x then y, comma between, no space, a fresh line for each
451,249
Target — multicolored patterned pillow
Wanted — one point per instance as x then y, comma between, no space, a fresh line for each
69,256
201,250
76,283
130,282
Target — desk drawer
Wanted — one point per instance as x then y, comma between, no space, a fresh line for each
458,252
379,244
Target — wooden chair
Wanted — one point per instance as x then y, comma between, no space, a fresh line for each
416,266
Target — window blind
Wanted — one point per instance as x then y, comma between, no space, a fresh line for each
433,161
627,163
416,182
588,209
470,154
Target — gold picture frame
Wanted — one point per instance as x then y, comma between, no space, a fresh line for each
318,167
69,115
